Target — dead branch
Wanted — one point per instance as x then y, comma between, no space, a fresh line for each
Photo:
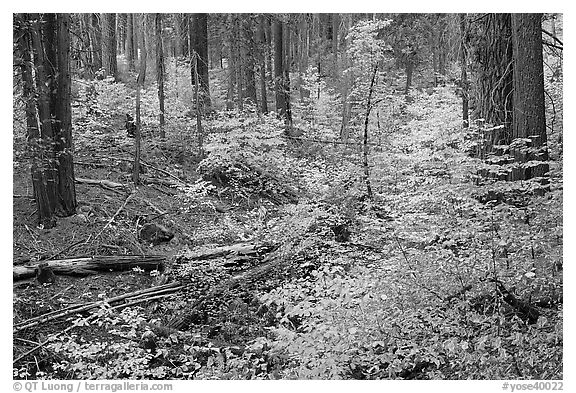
115,214
76,309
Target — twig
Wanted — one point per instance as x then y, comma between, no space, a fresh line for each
61,292
115,214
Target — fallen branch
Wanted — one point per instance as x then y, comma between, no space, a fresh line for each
95,315
106,184
88,265
76,309
115,214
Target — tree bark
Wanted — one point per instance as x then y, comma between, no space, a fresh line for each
247,52
369,193
90,265
109,63
160,70
262,49
199,43
494,81
529,118
39,158
279,72
139,85
63,119
130,42
464,65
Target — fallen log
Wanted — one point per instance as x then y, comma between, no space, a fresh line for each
271,261
107,184
90,265
240,249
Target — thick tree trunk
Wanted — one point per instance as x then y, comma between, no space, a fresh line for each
160,70
199,43
335,38
280,73
63,119
46,196
122,22
130,42
247,51
139,85
95,34
39,180
262,63
177,35
109,63
529,119
494,101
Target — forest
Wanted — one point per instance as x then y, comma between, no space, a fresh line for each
287,196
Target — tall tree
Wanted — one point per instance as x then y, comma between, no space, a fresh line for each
281,87
247,52
139,85
262,63
160,70
44,42
529,119
464,65
199,44
109,62
494,76
131,44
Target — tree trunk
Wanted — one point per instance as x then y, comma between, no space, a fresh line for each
199,43
160,70
365,139
335,38
262,49
494,95
409,72
122,23
63,119
464,65
199,105
130,42
38,161
91,265
529,108
279,71
47,194
247,51
178,35
95,34
109,63
231,63
139,85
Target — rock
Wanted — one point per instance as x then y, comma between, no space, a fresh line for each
79,218
155,234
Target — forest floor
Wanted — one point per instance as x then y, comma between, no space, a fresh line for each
405,286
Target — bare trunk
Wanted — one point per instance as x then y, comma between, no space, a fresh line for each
139,86
160,71
109,63
365,140
529,107
464,65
